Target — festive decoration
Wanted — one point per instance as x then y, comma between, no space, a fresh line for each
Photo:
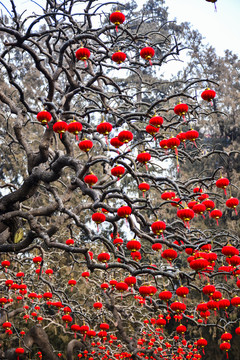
44,117
181,109
119,57
208,95
85,145
147,53
117,18
74,128
83,54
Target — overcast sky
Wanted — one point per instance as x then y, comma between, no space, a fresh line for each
221,28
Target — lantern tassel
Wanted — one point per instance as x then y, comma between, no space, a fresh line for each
146,167
236,211
77,138
85,63
150,62
227,354
225,191
116,28
75,335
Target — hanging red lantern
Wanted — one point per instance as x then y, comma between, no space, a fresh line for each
144,290
85,274
19,351
191,204
69,242
144,187
133,245
237,331
136,255
202,307
5,264
104,286
74,128
223,304
104,257
49,272
116,142
118,171
85,145
198,264
226,337
161,322
216,214
236,301
186,215
121,286
222,183
37,260
60,127
118,242
47,295
234,260
232,203
225,346
91,334
182,291
97,305
164,144
72,283
125,136
104,128
209,204
192,135
83,54
130,281
91,179
152,130
178,307
181,329
202,343
157,247
176,202
212,305
208,94
124,211
181,109
84,329
44,117
229,250
165,295
119,57
156,121
169,255
147,53
168,195
75,328
199,209
143,158
182,137
117,18
158,227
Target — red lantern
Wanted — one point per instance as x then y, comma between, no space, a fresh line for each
97,305
130,281
133,245
116,142
104,128
147,53
91,333
125,136
104,286
74,128
152,130
164,144
226,337
144,290
165,295
69,242
144,187
157,247
169,255
136,255
85,145
124,211
202,307
118,242
37,260
176,202
198,264
60,127
85,274
199,209
84,329
168,195
181,329
75,328
223,304
202,343
143,158
181,109
225,346
117,18
158,227
19,351
216,214
44,117
178,307
192,135
182,291
208,94
156,121
47,295
91,179
186,215
232,203
229,250
236,301
118,171
222,183
119,57
237,330
5,264
83,54
182,137
121,286
104,257
209,204
234,260
72,283
209,290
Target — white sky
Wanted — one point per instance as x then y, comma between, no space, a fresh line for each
221,28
